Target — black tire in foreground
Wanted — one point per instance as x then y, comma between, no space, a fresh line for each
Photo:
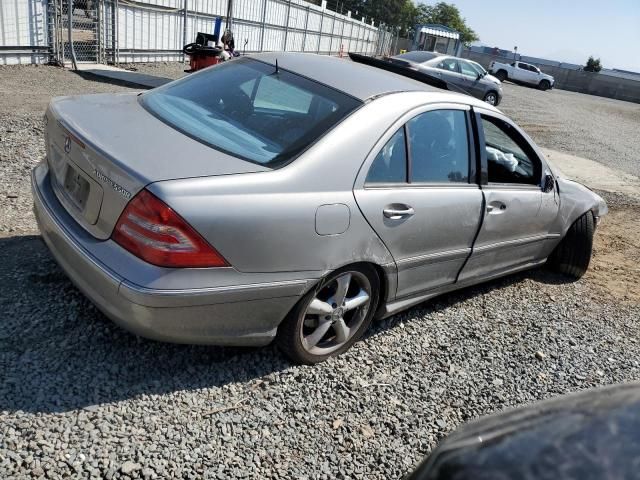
573,254
544,85
332,316
501,75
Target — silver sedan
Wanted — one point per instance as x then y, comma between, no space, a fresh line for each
295,197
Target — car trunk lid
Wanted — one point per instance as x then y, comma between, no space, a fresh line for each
103,149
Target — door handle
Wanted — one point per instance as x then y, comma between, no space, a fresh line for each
398,213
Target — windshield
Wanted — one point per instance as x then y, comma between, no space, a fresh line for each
247,109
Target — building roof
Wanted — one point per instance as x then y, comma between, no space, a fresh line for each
438,30
355,79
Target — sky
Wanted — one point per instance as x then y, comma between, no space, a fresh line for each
562,30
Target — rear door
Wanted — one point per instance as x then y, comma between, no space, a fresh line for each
520,72
418,191
473,79
517,214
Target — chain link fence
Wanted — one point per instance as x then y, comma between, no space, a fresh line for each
124,31
75,31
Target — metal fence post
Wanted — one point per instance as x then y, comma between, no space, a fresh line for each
333,29
263,27
320,31
341,36
286,26
306,27
184,30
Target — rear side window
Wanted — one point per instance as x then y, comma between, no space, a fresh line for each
509,157
439,147
449,64
247,109
390,165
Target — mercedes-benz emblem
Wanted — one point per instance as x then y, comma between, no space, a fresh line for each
67,144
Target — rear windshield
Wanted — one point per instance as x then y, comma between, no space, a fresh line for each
418,56
248,109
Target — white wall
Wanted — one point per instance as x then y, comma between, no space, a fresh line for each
23,23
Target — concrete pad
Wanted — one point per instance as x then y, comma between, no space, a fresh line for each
110,72
593,174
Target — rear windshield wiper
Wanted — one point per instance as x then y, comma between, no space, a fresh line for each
406,69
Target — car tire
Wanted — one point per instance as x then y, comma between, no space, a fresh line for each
491,98
572,255
303,325
501,75
544,85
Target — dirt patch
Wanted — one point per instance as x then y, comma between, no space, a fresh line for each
615,267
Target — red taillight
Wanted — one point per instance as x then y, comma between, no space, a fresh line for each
151,230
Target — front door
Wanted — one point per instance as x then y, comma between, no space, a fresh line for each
418,192
472,79
518,214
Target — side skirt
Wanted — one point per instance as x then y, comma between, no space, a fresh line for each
398,305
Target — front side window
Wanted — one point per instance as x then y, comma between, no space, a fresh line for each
247,109
477,67
390,165
468,70
509,158
439,147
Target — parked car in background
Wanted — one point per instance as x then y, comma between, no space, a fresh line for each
303,199
520,72
465,74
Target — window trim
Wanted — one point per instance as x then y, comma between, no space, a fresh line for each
528,149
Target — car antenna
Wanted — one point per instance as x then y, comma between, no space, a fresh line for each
276,65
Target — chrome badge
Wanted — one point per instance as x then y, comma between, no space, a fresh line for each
67,144
104,179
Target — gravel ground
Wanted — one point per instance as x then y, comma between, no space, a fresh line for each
80,397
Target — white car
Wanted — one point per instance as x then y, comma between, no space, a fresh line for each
520,72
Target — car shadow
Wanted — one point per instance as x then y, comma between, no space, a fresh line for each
59,353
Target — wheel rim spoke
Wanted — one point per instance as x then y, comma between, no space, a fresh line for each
342,331
343,286
312,339
324,327
318,307
361,299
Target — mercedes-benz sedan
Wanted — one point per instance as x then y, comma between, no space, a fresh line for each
294,197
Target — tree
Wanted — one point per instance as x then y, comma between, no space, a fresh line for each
593,65
448,15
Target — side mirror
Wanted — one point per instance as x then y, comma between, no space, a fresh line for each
479,76
549,183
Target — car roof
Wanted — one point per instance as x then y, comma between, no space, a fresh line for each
360,81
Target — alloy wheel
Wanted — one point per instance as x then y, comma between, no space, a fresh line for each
335,313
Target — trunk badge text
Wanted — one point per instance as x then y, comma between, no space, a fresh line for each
104,179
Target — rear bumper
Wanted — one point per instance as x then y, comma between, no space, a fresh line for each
226,315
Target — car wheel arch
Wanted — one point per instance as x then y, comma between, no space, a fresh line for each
385,284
